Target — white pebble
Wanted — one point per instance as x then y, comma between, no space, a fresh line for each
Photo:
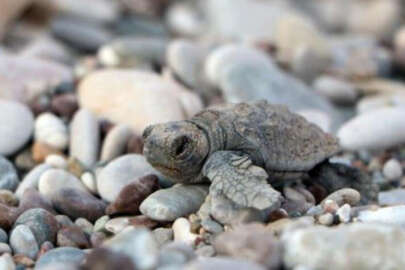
6,262
89,180
181,229
56,161
326,219
51,130
344,213
392,169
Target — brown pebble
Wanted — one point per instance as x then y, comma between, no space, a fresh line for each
65,105
33,199
135,144
41,150
132,195
45,247
23,260
72,236
104,259
142,221
40,104
8,198
76,203
8,216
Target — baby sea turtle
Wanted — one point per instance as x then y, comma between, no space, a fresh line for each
241,149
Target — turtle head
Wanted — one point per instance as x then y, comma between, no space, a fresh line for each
176,149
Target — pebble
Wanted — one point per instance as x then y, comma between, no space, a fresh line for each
391,197
251,242
205,251
42,224
23,241
45,247
138,94
65,105
4,248
46,48
85,225
134,52
135,144
64,221
138,244
163,235
175,254
33,199
16,126
132,195
121,172
326,219
77,203
99,224
24,161
51,130
7,216
393,215
182,232
72,236
317,246
336,90
56,161
84,137
31,180
89,180
3,236
365,131
40,151
54,180
379,101
8,175
172,203
392,170
116,225
344,213
344,196
105,259
221,263
6,262
61,255
115,142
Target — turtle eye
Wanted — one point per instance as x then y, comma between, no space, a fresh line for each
180,145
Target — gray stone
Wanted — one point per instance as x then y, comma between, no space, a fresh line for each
354,246
120,172
65,255
177,201
42,224
222,263
8,175
16,126
84,137
139,244
23,241
3,236
31,180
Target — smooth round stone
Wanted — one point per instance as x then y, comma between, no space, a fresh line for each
23,241
366,131
39,75
317,246
5,248
54,180
89,180
6,262
72,236
56,161
31,180
76,203
84,137
8,175
138,243
16,126
222,263
51,130
392,169
336,90
186,59
115,142
120,172
3,236
65,255
42,224
134,52
172,203
182,232
137,100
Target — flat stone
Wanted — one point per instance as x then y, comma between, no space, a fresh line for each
317,246
53,180
64,255
8,175
137,98
42,224
115,143
51,130
366,132
177,201
16,126
121,172
139,244
23,241
222,263
76,203
31,180
84,137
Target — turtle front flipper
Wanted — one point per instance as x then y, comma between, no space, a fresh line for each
233,175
